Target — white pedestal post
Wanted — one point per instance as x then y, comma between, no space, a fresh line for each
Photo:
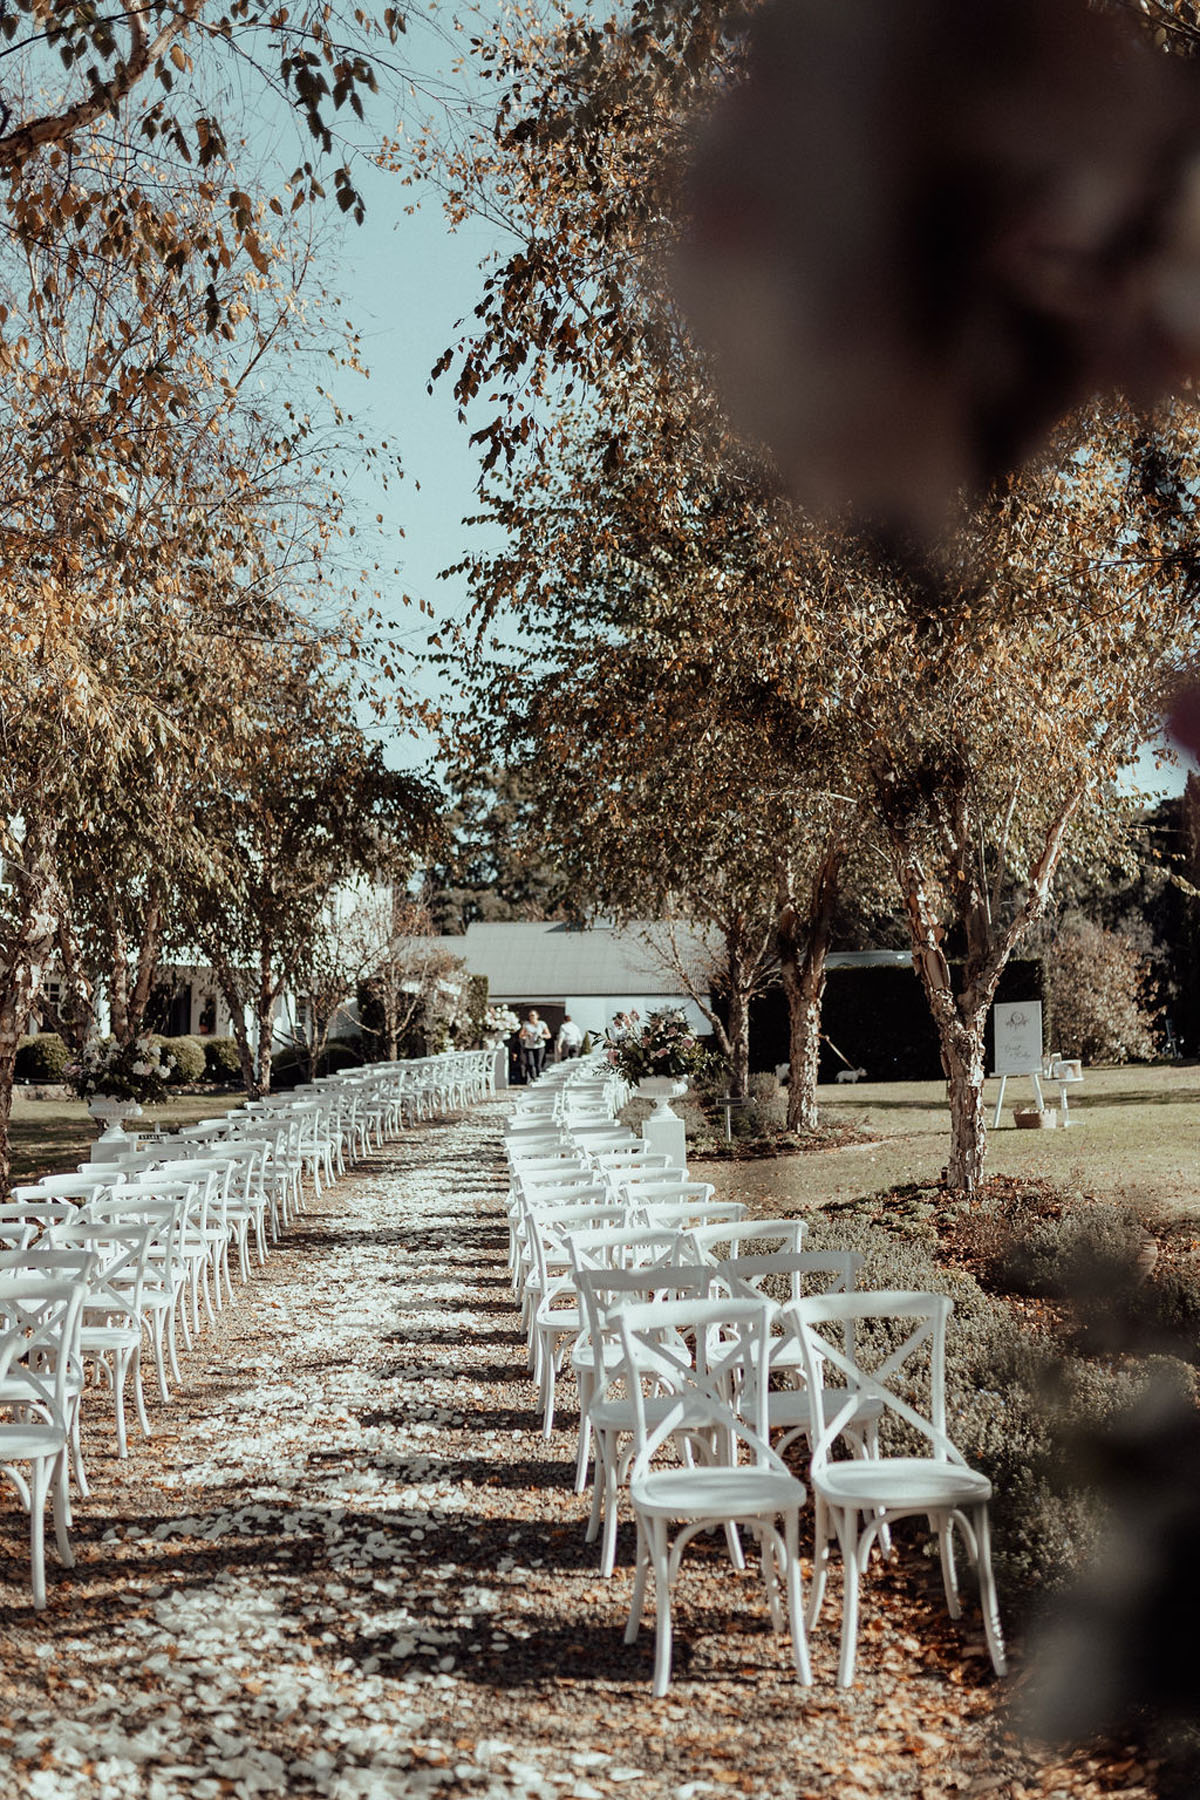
663,1135
501,1067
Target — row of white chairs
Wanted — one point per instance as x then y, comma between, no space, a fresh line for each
719,1342
128,1254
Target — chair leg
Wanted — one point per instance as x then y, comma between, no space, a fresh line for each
846,1519
76,1451
121,1361
585,1381
943,1524
795,1599
172,1344
39,1481
641,1570
139,1396
987,1593
549,1361
160,1361
662,1606
821,1538
61,1504
772,1576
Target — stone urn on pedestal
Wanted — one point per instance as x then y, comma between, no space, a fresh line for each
110,1110
663,1131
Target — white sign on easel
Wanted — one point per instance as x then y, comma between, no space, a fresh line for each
1017,1029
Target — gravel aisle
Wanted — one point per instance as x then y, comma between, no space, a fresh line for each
346,1565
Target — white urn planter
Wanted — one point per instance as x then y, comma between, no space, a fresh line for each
109,1110
662,1089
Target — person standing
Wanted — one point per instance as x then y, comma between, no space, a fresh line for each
569,1039
533,1037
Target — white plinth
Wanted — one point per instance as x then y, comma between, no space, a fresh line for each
501,1067
663,1133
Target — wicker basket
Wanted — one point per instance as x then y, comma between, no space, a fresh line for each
1031,1118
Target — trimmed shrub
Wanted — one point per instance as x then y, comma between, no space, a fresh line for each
42,1058
289,1066
341,1053
1088,1249
221,1060
1029,1417
764,1087
190,1061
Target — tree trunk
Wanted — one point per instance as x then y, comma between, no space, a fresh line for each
804,1045
963,1056
118,983
149,949
8,1057
803,947
264,1019
961,1020
39,908
738,1037
231,992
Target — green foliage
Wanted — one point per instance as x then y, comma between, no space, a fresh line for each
473,1033
1088,1247
42,1058
1098,982
289,1066
496,866
221,1060
1016,1407
189,1058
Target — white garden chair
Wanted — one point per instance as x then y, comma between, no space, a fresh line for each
857,1498
39,1350
166,1279
716,1489
115,1314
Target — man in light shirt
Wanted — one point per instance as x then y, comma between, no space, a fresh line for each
569,1039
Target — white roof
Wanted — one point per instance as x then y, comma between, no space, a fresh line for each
550,962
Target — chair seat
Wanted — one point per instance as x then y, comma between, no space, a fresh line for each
915,1482
109,1337
617,1414
562,1318
789,1407
718,1493
20,1442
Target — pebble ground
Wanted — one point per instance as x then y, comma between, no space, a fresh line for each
346,1565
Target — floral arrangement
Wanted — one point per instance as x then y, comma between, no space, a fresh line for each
136,1071
664,1045
499,1022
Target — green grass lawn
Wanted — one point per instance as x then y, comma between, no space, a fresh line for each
1134,1136
50,1137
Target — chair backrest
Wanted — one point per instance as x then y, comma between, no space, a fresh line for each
37,1213
122,1248
77,1188
622,1247
700,1351
722,1240
544,1187
39,1343
905,1351
166,1208
820,1271
684,1214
